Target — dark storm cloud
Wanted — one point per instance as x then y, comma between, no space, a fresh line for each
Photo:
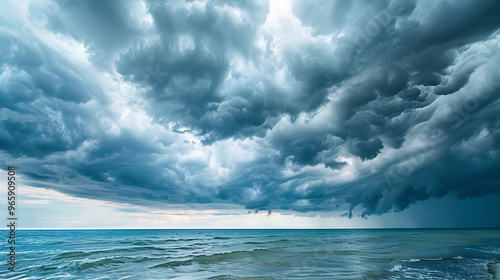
106,27
197,83
55,122
362,107
197,42
41,97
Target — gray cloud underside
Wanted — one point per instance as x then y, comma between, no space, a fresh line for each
383,104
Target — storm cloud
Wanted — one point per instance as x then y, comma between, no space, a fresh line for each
360,107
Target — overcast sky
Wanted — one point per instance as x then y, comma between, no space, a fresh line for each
305,113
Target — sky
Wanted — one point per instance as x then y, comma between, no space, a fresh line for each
251,114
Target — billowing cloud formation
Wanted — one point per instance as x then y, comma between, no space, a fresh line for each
302,105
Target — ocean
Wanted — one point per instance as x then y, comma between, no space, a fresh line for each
255,254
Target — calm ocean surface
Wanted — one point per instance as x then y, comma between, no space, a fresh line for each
254,254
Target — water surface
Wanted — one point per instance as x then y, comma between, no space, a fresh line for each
255,254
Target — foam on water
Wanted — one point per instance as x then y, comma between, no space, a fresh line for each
412,260
396,268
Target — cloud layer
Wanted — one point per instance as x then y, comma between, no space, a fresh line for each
359,107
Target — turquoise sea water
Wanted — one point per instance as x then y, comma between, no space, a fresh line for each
254,254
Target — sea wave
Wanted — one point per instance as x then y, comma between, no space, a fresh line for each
156,241
90,264
266,242
86,263
412,260
72,255
396,268
430,259
83,254
338,252
44,268
255,243
218,257
145,259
